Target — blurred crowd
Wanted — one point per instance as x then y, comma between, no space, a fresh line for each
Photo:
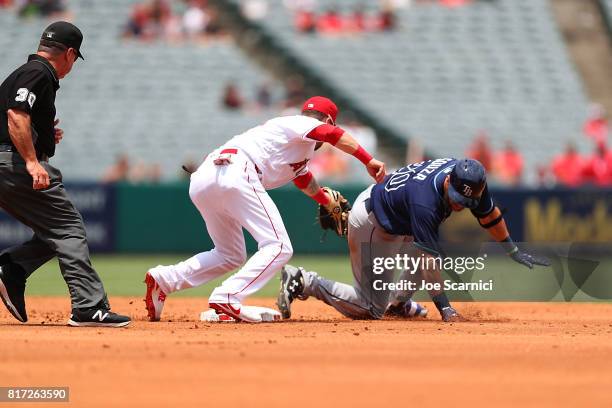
56,9
322,17
330,164
265,96
569,168
572,169
172,21
124,170
504,166
308,19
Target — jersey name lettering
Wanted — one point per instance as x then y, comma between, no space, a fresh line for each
431,167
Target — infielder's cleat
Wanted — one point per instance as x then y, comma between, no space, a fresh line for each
292,286
154,299
408,309
12,292
97,317
238,313
449,314
225,318
212,316
255,313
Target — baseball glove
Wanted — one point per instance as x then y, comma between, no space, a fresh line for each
334,216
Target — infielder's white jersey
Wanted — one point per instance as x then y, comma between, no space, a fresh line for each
229,190
279,148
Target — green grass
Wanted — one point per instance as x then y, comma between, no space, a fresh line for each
123,274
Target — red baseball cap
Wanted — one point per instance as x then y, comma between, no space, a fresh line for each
321,104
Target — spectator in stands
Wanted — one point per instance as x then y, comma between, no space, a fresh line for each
159,17
362,133
543,176
330,23
255,10
148,21
119,171
305,21
213,28
481,150
154,20
508,165
42,8
357,21
137,22
194,20
6,3
295,94
232,100
454,3
263,96
330,164
401,4
596,127
415,151
568,167
597,168
144,173
386,18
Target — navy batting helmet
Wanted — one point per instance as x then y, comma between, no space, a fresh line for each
467,181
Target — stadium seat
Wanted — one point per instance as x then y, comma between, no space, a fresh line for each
444,74
155,102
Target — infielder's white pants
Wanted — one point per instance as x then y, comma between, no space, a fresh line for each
231,197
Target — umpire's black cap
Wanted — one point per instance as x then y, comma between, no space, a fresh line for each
64,33
467,181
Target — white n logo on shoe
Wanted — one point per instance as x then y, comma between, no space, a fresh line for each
98,315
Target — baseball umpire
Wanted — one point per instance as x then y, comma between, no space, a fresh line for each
31,190
408,207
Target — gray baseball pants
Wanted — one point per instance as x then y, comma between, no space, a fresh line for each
58,230
367,240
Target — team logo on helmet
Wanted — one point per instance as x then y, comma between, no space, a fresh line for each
467,190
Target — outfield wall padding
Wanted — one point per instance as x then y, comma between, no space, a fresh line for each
145,218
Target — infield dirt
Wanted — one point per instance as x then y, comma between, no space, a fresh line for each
508,354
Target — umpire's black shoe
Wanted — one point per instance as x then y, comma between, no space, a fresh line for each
97,317
292,286
12,292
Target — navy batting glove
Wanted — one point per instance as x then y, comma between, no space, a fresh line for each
527,259
522,257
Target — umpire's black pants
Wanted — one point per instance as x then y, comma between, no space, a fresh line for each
58,230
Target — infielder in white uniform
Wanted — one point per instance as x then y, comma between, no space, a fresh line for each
229,190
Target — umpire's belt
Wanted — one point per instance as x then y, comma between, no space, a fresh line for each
9,148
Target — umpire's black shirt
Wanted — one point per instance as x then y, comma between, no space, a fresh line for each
31,88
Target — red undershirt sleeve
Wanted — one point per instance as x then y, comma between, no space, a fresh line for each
326,133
